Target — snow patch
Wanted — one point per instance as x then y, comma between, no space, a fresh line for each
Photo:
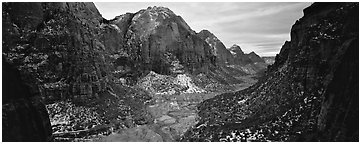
184,80
233,53
241,101
115,27
168,85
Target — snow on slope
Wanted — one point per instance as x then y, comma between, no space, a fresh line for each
163,84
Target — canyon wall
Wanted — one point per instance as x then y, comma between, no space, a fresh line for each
310,93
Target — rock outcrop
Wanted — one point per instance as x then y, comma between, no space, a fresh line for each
310,93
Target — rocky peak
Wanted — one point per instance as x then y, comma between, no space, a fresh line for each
206,33
209,37
218,49
156,37
235,49
254,57
252,53
161,10
154,14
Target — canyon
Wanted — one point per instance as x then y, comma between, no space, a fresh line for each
72,75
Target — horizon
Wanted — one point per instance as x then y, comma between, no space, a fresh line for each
262,27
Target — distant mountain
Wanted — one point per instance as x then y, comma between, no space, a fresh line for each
255,58
223,56
240,58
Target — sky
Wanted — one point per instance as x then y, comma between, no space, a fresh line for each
259,27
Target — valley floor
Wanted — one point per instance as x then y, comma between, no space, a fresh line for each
173,115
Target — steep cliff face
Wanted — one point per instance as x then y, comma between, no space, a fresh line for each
56,46
296,100
161,41
223,56
60,51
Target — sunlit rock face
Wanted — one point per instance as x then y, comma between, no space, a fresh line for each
156,38
310,93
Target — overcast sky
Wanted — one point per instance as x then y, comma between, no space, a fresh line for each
258,27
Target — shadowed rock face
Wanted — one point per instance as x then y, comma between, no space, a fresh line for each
309,94
24,117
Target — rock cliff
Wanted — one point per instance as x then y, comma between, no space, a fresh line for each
56,46
60,51
309,94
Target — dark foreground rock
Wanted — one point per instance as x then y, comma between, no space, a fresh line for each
24,116
310,93
59,51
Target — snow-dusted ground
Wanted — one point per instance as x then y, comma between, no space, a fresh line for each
163,84
186,81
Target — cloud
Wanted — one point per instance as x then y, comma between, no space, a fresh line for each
259,27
